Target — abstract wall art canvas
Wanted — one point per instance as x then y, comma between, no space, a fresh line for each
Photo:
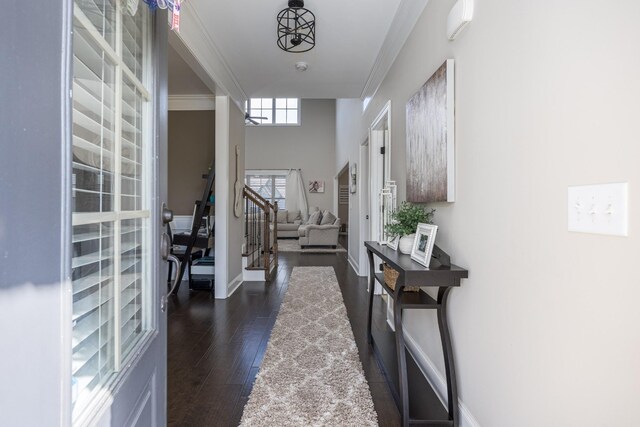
430,139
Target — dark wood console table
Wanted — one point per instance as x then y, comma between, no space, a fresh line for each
411,273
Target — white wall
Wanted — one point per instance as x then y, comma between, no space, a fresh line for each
310,147
546,329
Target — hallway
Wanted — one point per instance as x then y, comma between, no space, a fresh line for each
215,347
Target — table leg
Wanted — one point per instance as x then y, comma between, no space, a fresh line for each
372,281
452,386
403,387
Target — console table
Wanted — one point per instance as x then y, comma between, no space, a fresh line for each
442,275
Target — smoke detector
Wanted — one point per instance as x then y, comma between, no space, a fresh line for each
302,66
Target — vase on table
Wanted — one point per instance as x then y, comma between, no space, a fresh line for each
406,243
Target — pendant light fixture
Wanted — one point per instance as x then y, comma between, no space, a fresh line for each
296,28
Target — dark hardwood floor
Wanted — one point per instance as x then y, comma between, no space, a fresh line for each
216,346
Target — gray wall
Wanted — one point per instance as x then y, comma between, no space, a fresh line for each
545,330
34,218
230,132
310,147
351,132
191,153
236,225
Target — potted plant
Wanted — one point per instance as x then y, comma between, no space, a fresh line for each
404,223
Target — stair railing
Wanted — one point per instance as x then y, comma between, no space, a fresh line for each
260,233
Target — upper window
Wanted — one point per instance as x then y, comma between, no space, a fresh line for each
274,111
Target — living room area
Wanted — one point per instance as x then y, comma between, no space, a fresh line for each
290,160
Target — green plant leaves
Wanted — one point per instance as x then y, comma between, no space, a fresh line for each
406,219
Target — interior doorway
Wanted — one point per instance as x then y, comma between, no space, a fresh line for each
191,158
342,201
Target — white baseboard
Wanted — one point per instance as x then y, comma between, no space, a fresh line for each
353,263
181,223
251,275
234,285
437,380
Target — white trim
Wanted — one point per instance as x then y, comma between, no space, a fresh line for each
192,102
402,25
233,286
437,380
363,194
354,264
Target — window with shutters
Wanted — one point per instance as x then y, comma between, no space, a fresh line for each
111,173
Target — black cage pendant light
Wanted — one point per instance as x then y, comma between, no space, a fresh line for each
296,28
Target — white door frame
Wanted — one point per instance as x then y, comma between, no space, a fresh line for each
379,136
379,133
363,201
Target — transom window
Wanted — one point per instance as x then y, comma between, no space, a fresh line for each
271,187
276,111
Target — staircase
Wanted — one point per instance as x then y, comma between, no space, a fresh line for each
260,249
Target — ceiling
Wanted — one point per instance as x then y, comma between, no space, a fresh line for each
349,37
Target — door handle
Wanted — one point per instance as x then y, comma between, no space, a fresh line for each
165,253
174,259
167,214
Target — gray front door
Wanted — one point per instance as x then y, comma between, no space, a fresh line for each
82,181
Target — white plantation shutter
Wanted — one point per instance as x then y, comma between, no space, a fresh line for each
111,153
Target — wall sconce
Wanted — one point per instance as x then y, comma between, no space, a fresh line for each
354,178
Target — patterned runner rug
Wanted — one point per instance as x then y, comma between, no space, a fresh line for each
311,374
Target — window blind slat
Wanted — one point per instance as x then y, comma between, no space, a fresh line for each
91,302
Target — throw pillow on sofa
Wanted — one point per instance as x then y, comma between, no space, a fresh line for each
328,218
282,217
315,218
294,216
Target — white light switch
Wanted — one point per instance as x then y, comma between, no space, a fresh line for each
599,209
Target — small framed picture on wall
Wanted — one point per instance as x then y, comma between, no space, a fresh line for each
423,244
316,186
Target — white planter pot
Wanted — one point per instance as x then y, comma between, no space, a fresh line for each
406,243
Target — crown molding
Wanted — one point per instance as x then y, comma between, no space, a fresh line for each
403,22
198,41
192,102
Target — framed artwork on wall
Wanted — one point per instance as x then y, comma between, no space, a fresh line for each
430,139
316,186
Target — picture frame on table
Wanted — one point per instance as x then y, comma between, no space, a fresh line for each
423,244
394,242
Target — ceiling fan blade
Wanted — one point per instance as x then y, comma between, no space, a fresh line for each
252,119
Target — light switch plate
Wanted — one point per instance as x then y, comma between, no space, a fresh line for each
599,209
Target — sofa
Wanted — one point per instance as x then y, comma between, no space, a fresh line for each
288,224
321,229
